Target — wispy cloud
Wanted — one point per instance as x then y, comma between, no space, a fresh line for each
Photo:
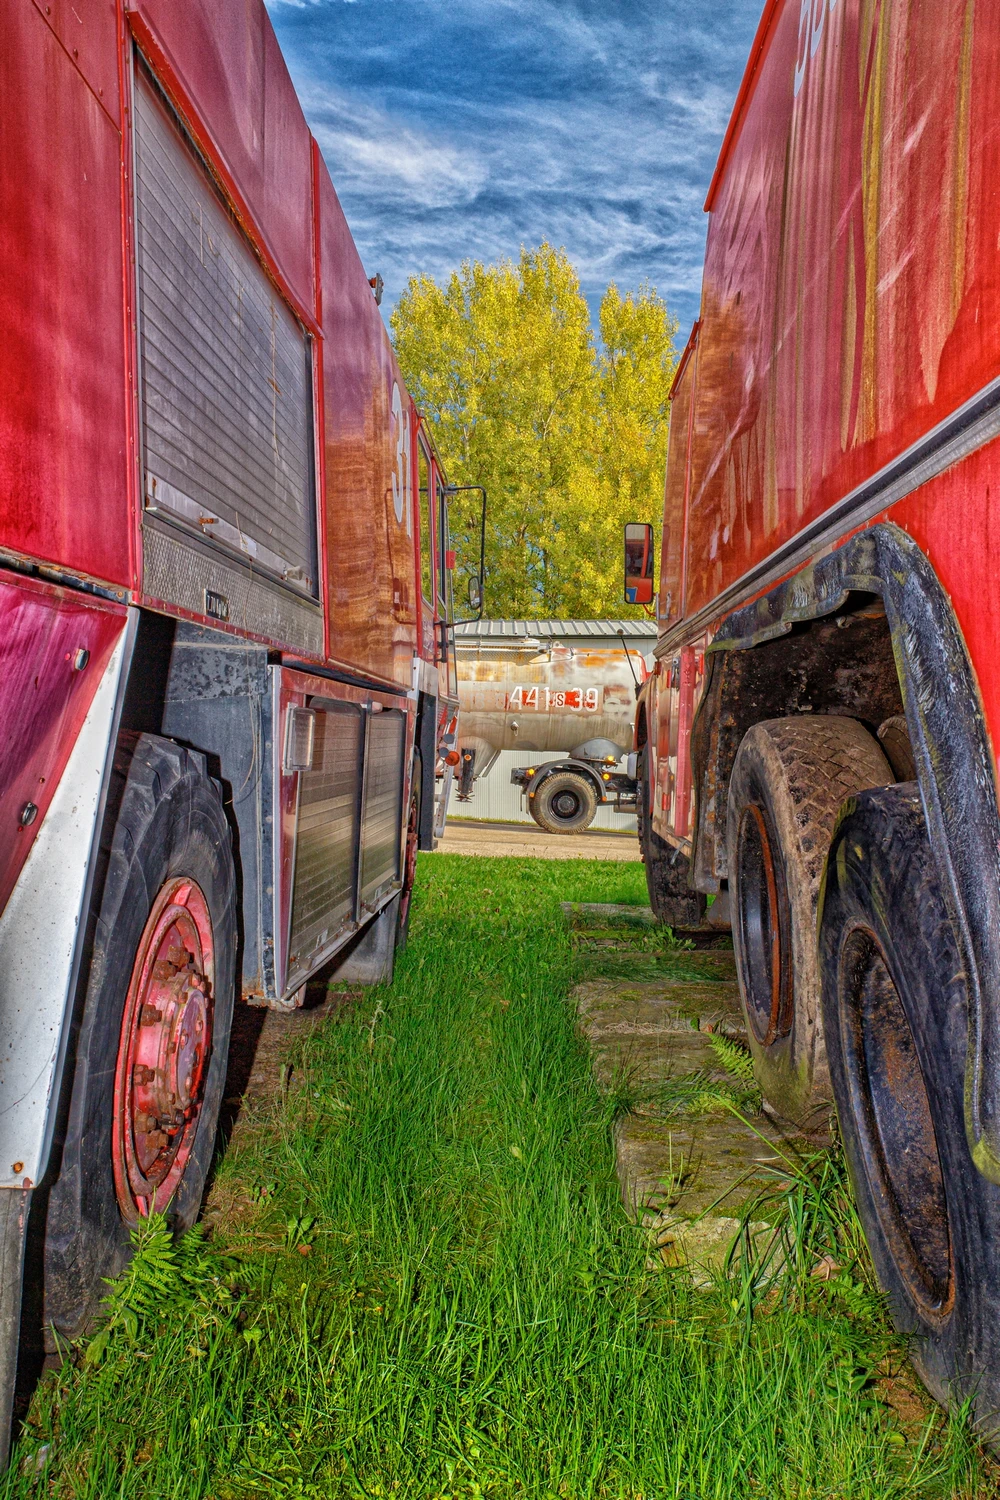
459,129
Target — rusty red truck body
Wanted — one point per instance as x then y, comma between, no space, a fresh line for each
818,739
228,681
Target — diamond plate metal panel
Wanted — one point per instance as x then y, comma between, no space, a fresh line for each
182,573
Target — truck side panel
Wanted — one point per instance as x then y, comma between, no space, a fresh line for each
63,406
852,280
670,598
369,520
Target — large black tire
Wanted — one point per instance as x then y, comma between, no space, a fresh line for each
789,780
170,824
410,850
668,870
896,1016
566,802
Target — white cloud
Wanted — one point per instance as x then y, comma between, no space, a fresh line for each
366,147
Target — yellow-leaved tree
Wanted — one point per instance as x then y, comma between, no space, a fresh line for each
568,438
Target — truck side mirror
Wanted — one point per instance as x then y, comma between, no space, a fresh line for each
475,592
639,563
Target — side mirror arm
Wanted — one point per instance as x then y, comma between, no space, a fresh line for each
455,489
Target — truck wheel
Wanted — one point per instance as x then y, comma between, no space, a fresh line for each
789,780
410,853
667,869
564,803
896,1016
153,1041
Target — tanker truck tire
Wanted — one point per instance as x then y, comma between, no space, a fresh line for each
789,779
667,869
153,1040
896,1019
564,803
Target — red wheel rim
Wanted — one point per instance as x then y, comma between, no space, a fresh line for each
164,1050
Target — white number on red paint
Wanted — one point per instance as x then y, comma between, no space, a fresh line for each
542,699
401,472
812,20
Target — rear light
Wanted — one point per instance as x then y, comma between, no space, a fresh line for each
452,758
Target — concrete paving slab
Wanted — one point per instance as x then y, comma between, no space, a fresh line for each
689,1167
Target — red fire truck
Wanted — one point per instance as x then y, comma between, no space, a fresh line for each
228,682
817,740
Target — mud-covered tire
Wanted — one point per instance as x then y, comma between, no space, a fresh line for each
788,782
564,803
896,1014
170,824
668,870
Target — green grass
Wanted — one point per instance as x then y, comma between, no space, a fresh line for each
424,1284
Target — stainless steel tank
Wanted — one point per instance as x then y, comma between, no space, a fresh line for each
524,695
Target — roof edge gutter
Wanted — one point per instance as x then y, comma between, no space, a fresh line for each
771,9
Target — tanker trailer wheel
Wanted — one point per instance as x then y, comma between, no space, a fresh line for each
896,1017
788,782
152,1047
410,853
564,803
667,869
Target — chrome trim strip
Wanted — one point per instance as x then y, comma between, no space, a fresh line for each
969,427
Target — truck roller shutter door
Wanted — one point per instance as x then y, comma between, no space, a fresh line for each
383,803
226,377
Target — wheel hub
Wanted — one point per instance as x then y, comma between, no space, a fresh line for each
164,1051
566,804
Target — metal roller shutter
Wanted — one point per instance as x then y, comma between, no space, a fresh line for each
380,826
226,381
326,838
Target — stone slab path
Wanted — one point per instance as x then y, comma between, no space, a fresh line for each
689,1166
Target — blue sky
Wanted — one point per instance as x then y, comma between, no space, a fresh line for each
462,129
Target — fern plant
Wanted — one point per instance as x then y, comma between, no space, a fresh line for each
166,1277
733,1057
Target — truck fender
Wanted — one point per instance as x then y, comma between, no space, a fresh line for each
43,934
952,755
579,767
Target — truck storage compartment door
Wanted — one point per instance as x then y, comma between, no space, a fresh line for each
381,830
326,837
225,367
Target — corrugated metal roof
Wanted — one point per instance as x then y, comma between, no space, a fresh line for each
547,629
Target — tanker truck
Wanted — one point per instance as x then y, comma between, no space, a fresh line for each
528,695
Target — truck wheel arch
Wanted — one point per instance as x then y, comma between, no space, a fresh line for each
579,768
879,570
